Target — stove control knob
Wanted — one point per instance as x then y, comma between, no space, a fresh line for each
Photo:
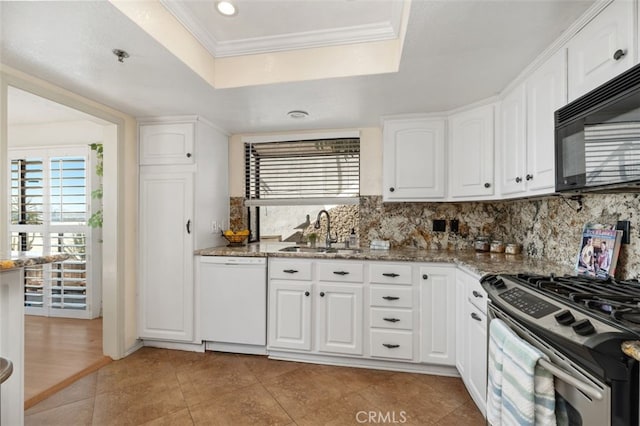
583,327
499,284
565,317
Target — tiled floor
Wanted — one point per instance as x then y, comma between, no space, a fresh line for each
163,387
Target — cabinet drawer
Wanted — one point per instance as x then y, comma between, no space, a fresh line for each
290,270
476,295
392,318
392,344
390,273
398,297
341,272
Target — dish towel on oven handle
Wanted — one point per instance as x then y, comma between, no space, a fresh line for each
519,392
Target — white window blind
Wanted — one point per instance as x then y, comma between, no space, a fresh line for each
302,172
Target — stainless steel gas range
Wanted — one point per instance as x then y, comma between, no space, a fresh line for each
580,323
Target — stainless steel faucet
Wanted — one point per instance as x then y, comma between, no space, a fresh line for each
328,239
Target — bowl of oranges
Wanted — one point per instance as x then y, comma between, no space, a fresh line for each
236,238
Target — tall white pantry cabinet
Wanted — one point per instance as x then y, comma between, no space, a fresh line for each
184,201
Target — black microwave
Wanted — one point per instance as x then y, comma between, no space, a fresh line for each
597,138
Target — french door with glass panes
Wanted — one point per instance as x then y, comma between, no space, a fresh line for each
50,207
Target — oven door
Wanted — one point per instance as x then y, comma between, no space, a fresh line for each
581,399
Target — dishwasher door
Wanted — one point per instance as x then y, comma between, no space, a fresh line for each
233,301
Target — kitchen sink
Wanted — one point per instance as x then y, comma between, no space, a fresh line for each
320,250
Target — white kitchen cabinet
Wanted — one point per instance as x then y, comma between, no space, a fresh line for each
604,48
471,153
339,318
171,143
461,321
527,132
438,315
413,159
472,323
166,258
393,311
513,142
290,315
179,204
546,91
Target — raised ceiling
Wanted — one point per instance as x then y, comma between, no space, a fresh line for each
273,26
454,53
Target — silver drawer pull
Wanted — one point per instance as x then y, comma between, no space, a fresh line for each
391,274
391,319
390,346
341,272
289,271
390,297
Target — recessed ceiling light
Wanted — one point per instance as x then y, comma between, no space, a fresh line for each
226,8
298,113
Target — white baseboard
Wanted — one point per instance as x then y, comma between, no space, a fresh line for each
376,364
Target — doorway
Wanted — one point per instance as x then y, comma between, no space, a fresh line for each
53,175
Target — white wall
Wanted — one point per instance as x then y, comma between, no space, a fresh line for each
81,132
370,160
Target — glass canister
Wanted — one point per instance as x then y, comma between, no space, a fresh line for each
482,244
497,246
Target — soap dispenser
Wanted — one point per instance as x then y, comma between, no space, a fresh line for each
353,238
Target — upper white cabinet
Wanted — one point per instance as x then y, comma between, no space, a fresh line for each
546,91
179,202
513,142
413,159
527,132
167,144
471,144
602,49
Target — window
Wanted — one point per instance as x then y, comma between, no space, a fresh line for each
289,181
49,211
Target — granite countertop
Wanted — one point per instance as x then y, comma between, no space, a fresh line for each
476,262
19,260
479,263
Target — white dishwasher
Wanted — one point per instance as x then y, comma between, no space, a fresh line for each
233,303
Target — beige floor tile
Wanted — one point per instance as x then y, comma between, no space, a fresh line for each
140,403
468,415
266,369
304,390
251,405
80,390
179,418
218,375
77,413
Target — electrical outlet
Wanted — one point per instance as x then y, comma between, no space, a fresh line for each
439,225
454,225
625,227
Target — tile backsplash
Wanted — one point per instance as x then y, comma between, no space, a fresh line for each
547,228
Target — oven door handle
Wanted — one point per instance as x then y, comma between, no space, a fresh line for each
591,391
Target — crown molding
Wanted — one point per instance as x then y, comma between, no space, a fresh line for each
367,33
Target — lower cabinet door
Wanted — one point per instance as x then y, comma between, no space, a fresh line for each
477,356
339,318
392,344
290,315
